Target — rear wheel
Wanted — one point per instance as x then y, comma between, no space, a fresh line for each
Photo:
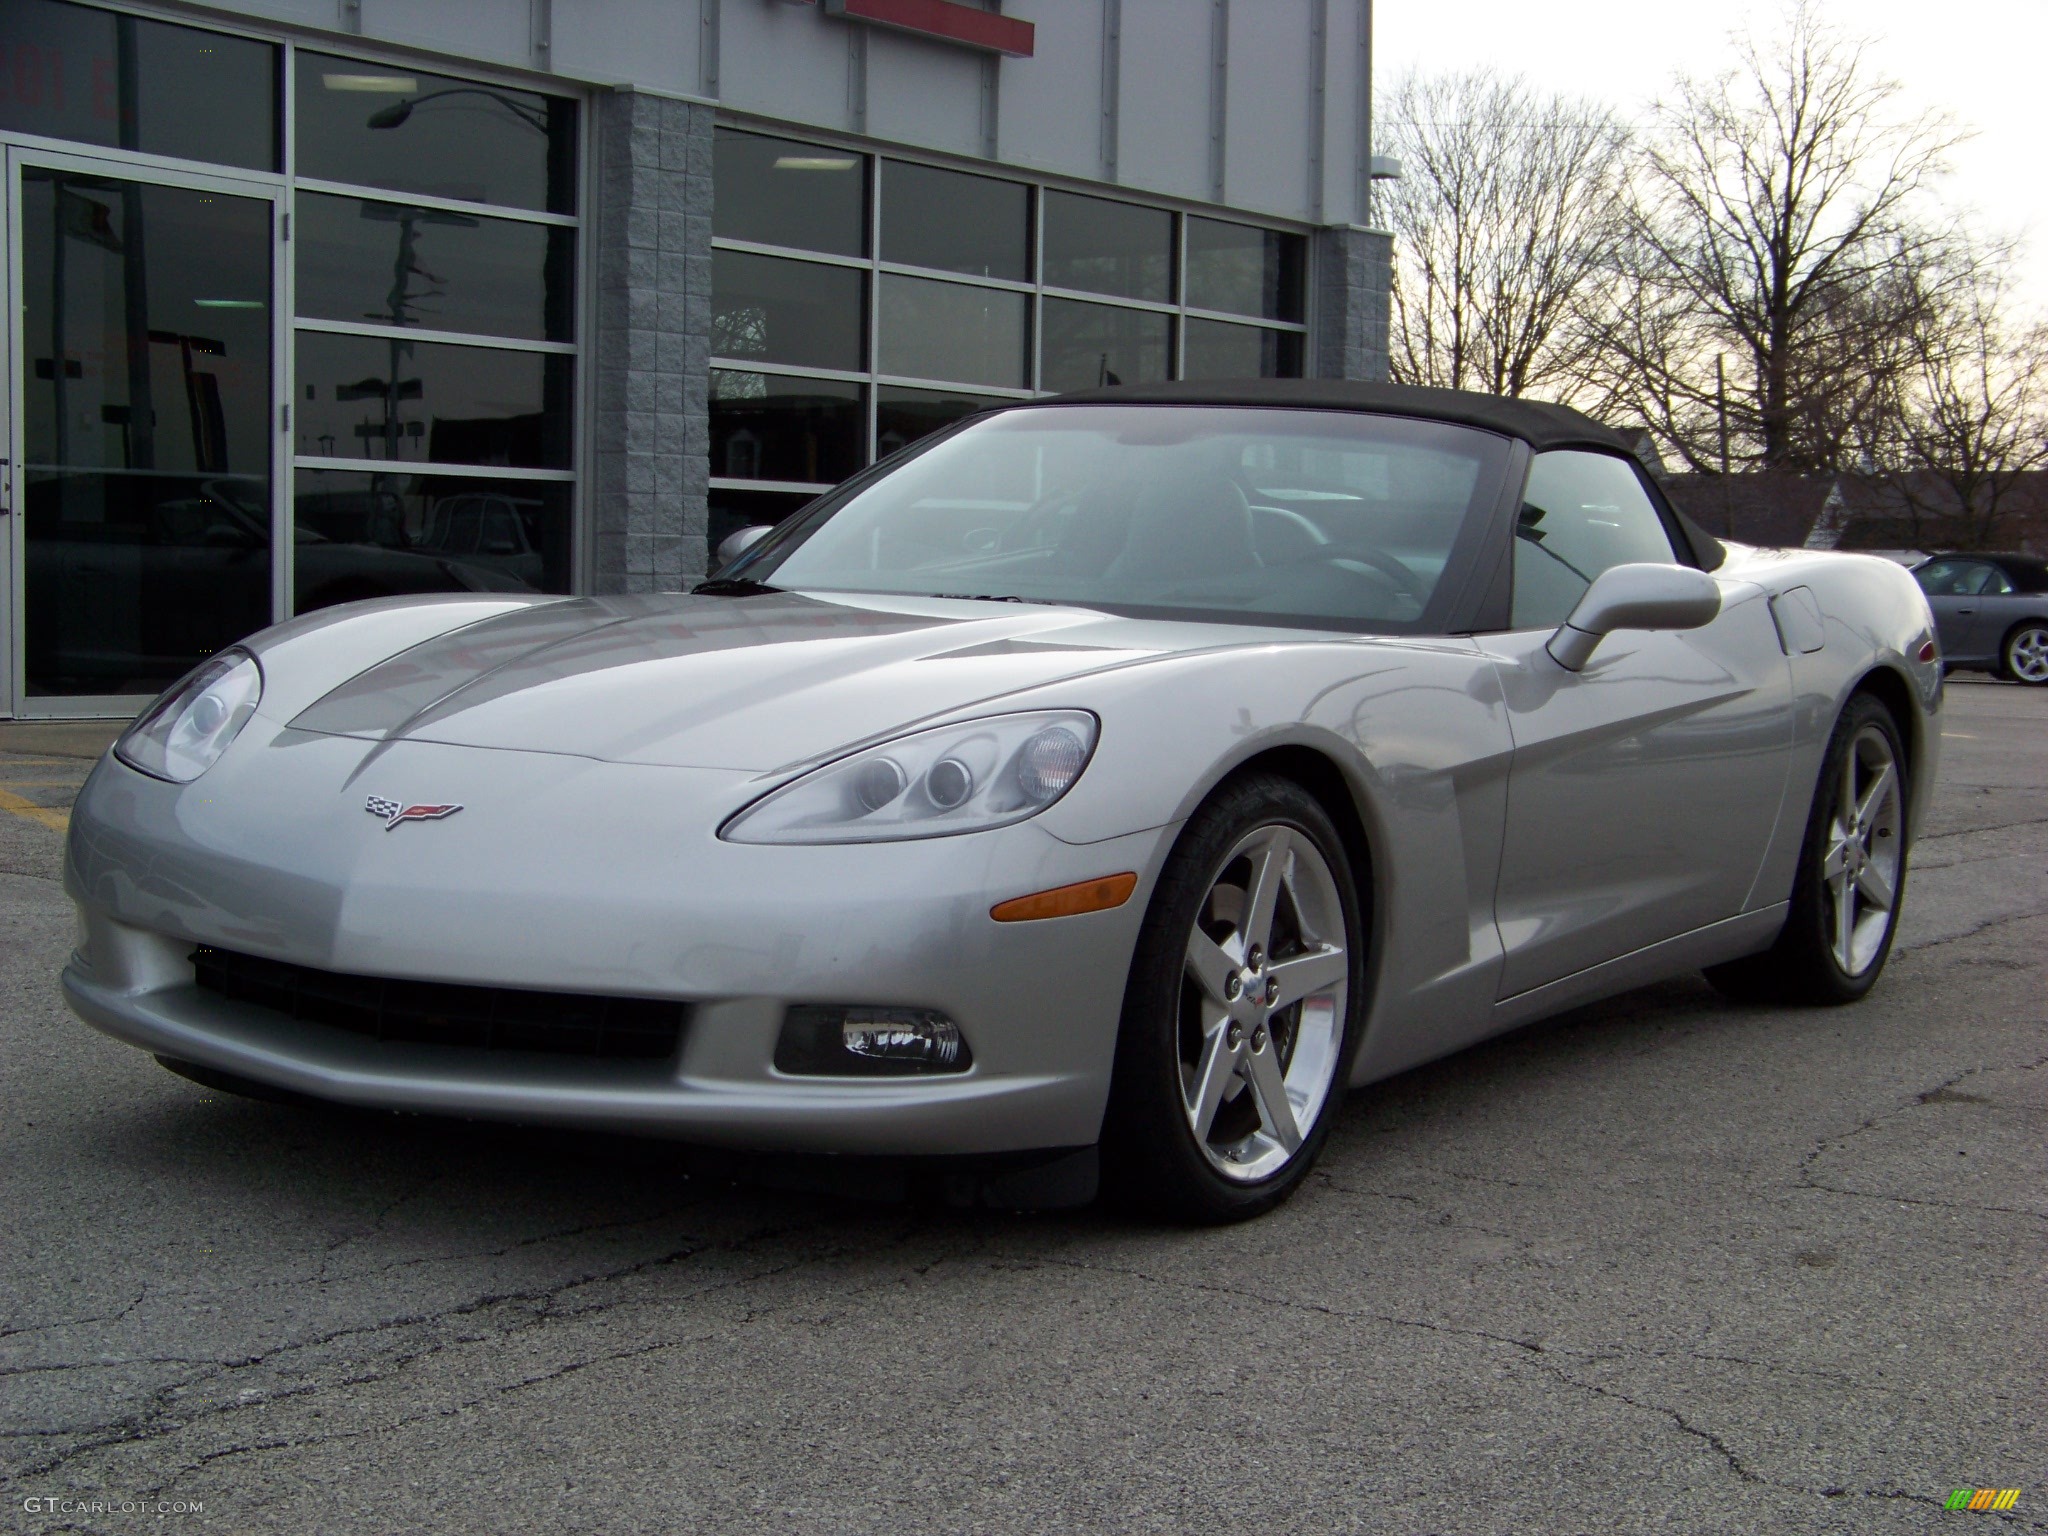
1851,879
1240,1016
2025,654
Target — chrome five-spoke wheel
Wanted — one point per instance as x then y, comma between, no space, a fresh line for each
1241,1016
1865,846
2026,655
1262,1002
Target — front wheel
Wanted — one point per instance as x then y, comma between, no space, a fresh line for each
1846,895
2025,654
1240,1016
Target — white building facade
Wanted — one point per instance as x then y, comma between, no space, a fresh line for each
316,300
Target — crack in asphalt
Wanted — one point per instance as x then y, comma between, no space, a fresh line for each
154,1419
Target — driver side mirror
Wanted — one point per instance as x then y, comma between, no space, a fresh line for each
1644,596
737,543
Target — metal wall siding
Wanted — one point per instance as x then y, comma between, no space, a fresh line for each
660,37
1164,104
484,31
1051,104
925,93
796,64
1266,151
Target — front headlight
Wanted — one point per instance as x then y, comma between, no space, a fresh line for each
184,733
955,778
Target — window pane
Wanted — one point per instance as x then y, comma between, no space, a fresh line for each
780,311
1581,514
956,222
383,125
904,415
364,259
361,534
936,330
768,427
1245,271
780,192
1219,350
147,400
69,72
1105,247
1089,345
365,397
733,510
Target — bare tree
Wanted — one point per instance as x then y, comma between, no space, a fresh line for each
1972,408
1769,220
1504,213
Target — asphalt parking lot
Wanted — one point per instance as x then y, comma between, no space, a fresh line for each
1664,1264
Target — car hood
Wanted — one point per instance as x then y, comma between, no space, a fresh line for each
750,683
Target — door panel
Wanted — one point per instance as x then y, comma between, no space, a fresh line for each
144,372
1644,789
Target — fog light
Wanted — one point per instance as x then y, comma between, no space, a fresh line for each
869,1042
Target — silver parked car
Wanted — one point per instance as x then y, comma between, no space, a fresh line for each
1991,612
1104,784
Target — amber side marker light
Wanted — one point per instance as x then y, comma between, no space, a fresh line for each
1067,900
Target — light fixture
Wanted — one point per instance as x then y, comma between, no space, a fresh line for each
869,1042
382,85
232,303
815,162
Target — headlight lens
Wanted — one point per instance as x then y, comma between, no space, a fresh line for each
184,733
956,778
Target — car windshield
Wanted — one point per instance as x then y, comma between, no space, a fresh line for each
1327,518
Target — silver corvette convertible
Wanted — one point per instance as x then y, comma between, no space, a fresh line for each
1093,791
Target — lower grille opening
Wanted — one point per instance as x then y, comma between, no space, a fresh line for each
441,1013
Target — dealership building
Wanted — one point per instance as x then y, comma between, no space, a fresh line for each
315,300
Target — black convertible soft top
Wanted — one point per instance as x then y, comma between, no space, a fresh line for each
1536,422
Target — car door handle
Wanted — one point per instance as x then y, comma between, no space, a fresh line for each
1964,613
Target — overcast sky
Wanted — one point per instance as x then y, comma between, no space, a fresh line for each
1985,61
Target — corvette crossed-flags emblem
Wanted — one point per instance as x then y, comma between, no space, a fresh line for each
393,812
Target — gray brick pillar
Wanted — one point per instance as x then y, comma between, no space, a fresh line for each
1354,270
650,379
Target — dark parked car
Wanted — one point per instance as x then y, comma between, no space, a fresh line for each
1991,611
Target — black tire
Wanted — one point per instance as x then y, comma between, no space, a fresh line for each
2021,656
1802,967
1152,1161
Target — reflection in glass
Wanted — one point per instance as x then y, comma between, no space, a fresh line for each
904,415
781,192
146,403
1090,345
363,258
939,330
955,222
768,427
381,125
100,77
781,311
1245,271
1104,247
359,534
1216,349
368,397
732,510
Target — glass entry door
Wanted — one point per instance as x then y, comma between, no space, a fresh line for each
143,363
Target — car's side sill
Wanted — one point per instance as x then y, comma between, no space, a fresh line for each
1726,940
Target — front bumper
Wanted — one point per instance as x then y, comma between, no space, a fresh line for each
565,874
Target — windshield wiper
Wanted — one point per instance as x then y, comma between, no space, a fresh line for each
732,586
990,597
